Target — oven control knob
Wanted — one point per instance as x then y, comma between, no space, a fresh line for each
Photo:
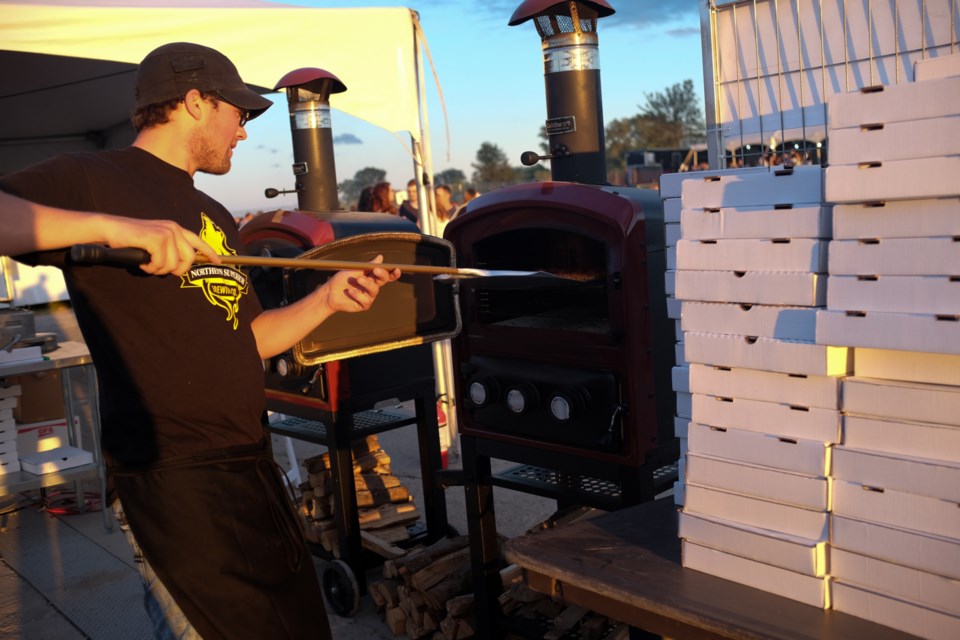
287,367
565,405
483,392
522,399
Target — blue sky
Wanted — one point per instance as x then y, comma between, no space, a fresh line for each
491,76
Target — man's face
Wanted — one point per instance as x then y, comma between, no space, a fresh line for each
412,194
443,198
212,145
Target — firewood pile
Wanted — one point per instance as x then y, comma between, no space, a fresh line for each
385,505
428,594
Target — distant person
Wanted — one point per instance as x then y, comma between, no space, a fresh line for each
468,194
382,199
365,201
410,208
445,206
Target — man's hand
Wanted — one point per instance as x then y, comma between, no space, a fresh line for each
354,291
171,247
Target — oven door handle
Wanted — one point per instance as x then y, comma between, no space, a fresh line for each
607,438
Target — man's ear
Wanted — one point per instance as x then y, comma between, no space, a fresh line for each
194,104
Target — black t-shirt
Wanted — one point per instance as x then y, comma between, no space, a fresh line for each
177,362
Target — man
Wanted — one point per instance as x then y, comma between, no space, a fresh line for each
410,208
178,351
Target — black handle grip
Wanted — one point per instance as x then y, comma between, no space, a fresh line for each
99,254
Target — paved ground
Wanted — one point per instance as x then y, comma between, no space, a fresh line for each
66,577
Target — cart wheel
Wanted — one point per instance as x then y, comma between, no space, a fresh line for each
340,588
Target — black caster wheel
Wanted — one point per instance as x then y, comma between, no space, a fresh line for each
340,588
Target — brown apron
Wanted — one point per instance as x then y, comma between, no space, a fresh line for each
221,534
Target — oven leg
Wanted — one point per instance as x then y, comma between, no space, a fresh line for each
345,509
484,552
428,439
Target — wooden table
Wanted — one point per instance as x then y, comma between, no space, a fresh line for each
626,565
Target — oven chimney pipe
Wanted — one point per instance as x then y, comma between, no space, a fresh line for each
571,72
308,99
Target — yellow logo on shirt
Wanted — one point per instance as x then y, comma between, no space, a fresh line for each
222,285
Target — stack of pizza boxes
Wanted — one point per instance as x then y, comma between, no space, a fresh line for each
9,456
751,268
894,295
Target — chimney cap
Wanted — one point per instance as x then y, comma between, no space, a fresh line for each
530,8
309,77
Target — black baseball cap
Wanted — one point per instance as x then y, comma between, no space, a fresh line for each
170,71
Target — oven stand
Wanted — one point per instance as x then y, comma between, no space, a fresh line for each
357,418
568,479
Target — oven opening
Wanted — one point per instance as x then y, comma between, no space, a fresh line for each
580,306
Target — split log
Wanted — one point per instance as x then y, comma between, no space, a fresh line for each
422,557
387,515
452,585
396,620
425,578
565,621
377,545
593,627
377,497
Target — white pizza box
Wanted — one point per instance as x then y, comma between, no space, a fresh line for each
902,437
9,463
8,402
769,321
898,400
784,221
672,230
671,258
899,332
20,354
672,208
912,366
905,140
768,386
938,295
684,405
893,103
37,437
681,426
55,460
767,354
780,288
924,551
799,490
784,254
929,589
937,256
943,66
671,184
755,512
681,379
670,282
896,508
776,185
679,492
8,435
793,553
9,390
896,219
773,418
810,457
896,613
920,476
782,582
673,308
893,180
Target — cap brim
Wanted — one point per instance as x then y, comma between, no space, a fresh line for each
247,99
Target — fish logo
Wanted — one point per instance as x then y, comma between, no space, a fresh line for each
223,286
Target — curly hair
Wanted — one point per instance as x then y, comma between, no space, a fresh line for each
382,199
159,113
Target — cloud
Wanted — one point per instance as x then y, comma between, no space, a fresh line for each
683,32
640,14
347,138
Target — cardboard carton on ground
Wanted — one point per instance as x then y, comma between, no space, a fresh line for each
755,512
673,308
897,400
789,584
932,294
684,405
911,366
41,397
681,426
36,437
809,457
906,140
920,476
893,180
778,419
681,379
943,66
893,103
896,219
670,282
672,230
768,321
896,508
680,352
926,552
671,184
899,614
58,459
902,437
768,386
784,254
679,492
767,354
785,221
767,483
937,256
808,557
896,333
776,185
753,287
